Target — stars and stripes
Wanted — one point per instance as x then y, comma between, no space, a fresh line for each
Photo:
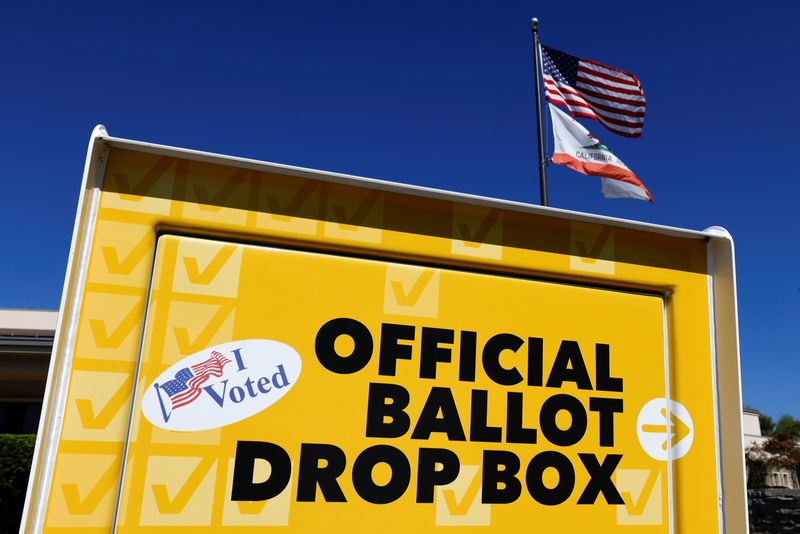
595,91
185,387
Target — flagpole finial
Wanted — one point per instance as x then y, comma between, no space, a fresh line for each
534,24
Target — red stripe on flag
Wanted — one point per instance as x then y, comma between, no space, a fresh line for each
633,133
202,372
612,96
611,99
604,76
623,90
619,111
603,65
618,122
576,111
600,169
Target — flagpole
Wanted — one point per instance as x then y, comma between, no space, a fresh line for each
542,157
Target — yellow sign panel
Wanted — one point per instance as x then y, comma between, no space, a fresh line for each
446,396
245,345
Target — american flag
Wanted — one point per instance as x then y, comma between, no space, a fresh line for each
185,387
595,91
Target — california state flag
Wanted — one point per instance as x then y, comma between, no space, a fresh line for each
581,151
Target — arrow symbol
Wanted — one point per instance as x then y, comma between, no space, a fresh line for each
678,429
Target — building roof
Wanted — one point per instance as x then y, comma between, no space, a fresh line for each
25,322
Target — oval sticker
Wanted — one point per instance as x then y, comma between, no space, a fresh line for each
221,385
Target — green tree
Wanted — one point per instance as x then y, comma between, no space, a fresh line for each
756,470
790,426
766,423
15,464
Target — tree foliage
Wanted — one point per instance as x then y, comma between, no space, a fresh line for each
767,424
16,452
756,471
783,451
788,425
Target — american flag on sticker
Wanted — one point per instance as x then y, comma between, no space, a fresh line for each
595,91
185,387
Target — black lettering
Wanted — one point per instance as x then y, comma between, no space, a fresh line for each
467,356
535,482
491,359
547,420
478,423
569,367
606,408
326,350
535,361
365,462
247,452
311,474
515,432
500,484
431,352
600,479
439,400
428,476
604,380
391,349
379,411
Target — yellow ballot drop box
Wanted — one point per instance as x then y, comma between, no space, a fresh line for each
246,346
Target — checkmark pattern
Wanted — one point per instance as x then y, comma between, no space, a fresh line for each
273,512
218,197
143,191
180,488
84,496
592,248
411,291
84,488
194,304
192,307
642,491
289,206
477,232
459,503
353,216
207,270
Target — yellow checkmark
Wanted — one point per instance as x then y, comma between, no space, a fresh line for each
272,512
177,490
459,503
87,504
413,295
641,491
477,232
100,419
591,248
411,290
205,276
209,329
353,219
126,264
224,194
462,507
176,504
112,339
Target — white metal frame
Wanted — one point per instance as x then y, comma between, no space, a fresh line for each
58,378
722,309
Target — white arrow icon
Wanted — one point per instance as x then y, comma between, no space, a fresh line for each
665,433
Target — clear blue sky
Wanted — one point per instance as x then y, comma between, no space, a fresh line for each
432,93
